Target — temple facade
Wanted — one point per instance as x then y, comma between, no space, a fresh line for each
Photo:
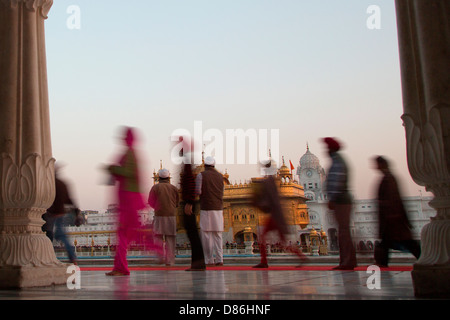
240,216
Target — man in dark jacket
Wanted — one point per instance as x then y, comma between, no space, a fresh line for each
187,204
54,217
210,187
394,227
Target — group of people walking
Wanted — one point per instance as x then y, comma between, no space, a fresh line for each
394,227
164,199
208,187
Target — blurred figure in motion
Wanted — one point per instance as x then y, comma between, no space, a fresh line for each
340,201
54,217
131,200
210,187
394,226
164,198
188,203
267,199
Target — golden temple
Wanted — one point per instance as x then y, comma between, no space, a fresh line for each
241,216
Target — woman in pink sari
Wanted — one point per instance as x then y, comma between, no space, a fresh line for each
130,202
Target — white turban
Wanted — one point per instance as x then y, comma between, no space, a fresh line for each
163,173
210,161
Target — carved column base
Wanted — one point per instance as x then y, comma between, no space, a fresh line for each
29,260
23,277
435,242
431,273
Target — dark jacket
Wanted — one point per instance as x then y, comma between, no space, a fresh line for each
164,198
211,197
61,198
393,220
187,185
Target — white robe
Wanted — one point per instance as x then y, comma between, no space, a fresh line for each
211,220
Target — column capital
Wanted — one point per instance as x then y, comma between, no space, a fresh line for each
43,6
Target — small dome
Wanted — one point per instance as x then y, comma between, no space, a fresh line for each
226,177
284,170
309,160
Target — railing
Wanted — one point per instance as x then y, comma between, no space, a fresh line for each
181,250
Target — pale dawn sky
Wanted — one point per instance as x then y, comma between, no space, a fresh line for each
307,68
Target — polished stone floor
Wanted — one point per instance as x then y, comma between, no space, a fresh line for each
280,291
227,285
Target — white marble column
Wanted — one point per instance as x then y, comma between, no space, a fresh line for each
424,45
27,256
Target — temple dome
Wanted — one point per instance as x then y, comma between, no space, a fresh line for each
284,170
309,160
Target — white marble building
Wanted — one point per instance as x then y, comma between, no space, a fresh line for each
364,223
100,228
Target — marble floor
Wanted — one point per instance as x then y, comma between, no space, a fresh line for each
270,293
227,285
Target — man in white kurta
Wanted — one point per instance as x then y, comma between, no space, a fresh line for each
210,186
164,199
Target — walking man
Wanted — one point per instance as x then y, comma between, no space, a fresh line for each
340,201
54,217
266,198
188,203
394,226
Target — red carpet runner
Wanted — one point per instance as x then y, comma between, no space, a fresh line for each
247,268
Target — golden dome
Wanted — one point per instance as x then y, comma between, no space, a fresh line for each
284,170
313,232
225,177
